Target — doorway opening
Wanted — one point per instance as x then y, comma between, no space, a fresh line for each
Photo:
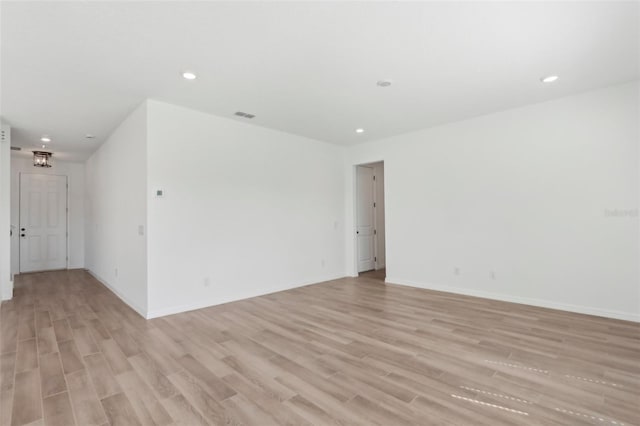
43,222
370,219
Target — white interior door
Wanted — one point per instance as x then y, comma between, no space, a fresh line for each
365,224
43,222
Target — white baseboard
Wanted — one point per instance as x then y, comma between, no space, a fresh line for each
627,316
122,297
8,293
170,310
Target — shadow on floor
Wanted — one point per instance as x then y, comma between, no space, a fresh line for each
378,275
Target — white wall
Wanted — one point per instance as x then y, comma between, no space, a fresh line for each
6,283
76,226
545,197
246,211
116,206
535,205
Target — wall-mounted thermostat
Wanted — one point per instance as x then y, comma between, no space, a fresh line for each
159,192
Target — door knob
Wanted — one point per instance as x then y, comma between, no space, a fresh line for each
22,229
22,235
357,232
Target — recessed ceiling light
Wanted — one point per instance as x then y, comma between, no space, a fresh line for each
89,136
45,138
44,146
189,75
384,83
549,79
359,130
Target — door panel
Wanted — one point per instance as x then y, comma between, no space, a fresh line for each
53,218
43,222
53,242
365,218
34,209
33,248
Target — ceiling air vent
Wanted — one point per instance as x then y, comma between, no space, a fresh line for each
16,148
244,114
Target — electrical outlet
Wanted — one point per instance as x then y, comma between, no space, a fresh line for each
456,271
206,282
493,275
322,263
115,271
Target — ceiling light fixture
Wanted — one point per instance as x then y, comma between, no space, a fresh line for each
359,130
188,75
45,138
89,136
42,159
384,83
549,79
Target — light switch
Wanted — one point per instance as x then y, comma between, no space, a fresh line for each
140,229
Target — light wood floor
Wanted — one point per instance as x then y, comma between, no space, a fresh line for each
350,351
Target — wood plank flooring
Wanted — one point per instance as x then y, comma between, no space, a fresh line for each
350,351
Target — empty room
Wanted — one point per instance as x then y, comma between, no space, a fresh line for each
319,213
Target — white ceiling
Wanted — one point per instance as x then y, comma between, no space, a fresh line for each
71,68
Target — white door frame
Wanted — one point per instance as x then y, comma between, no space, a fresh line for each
66,215
354,235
